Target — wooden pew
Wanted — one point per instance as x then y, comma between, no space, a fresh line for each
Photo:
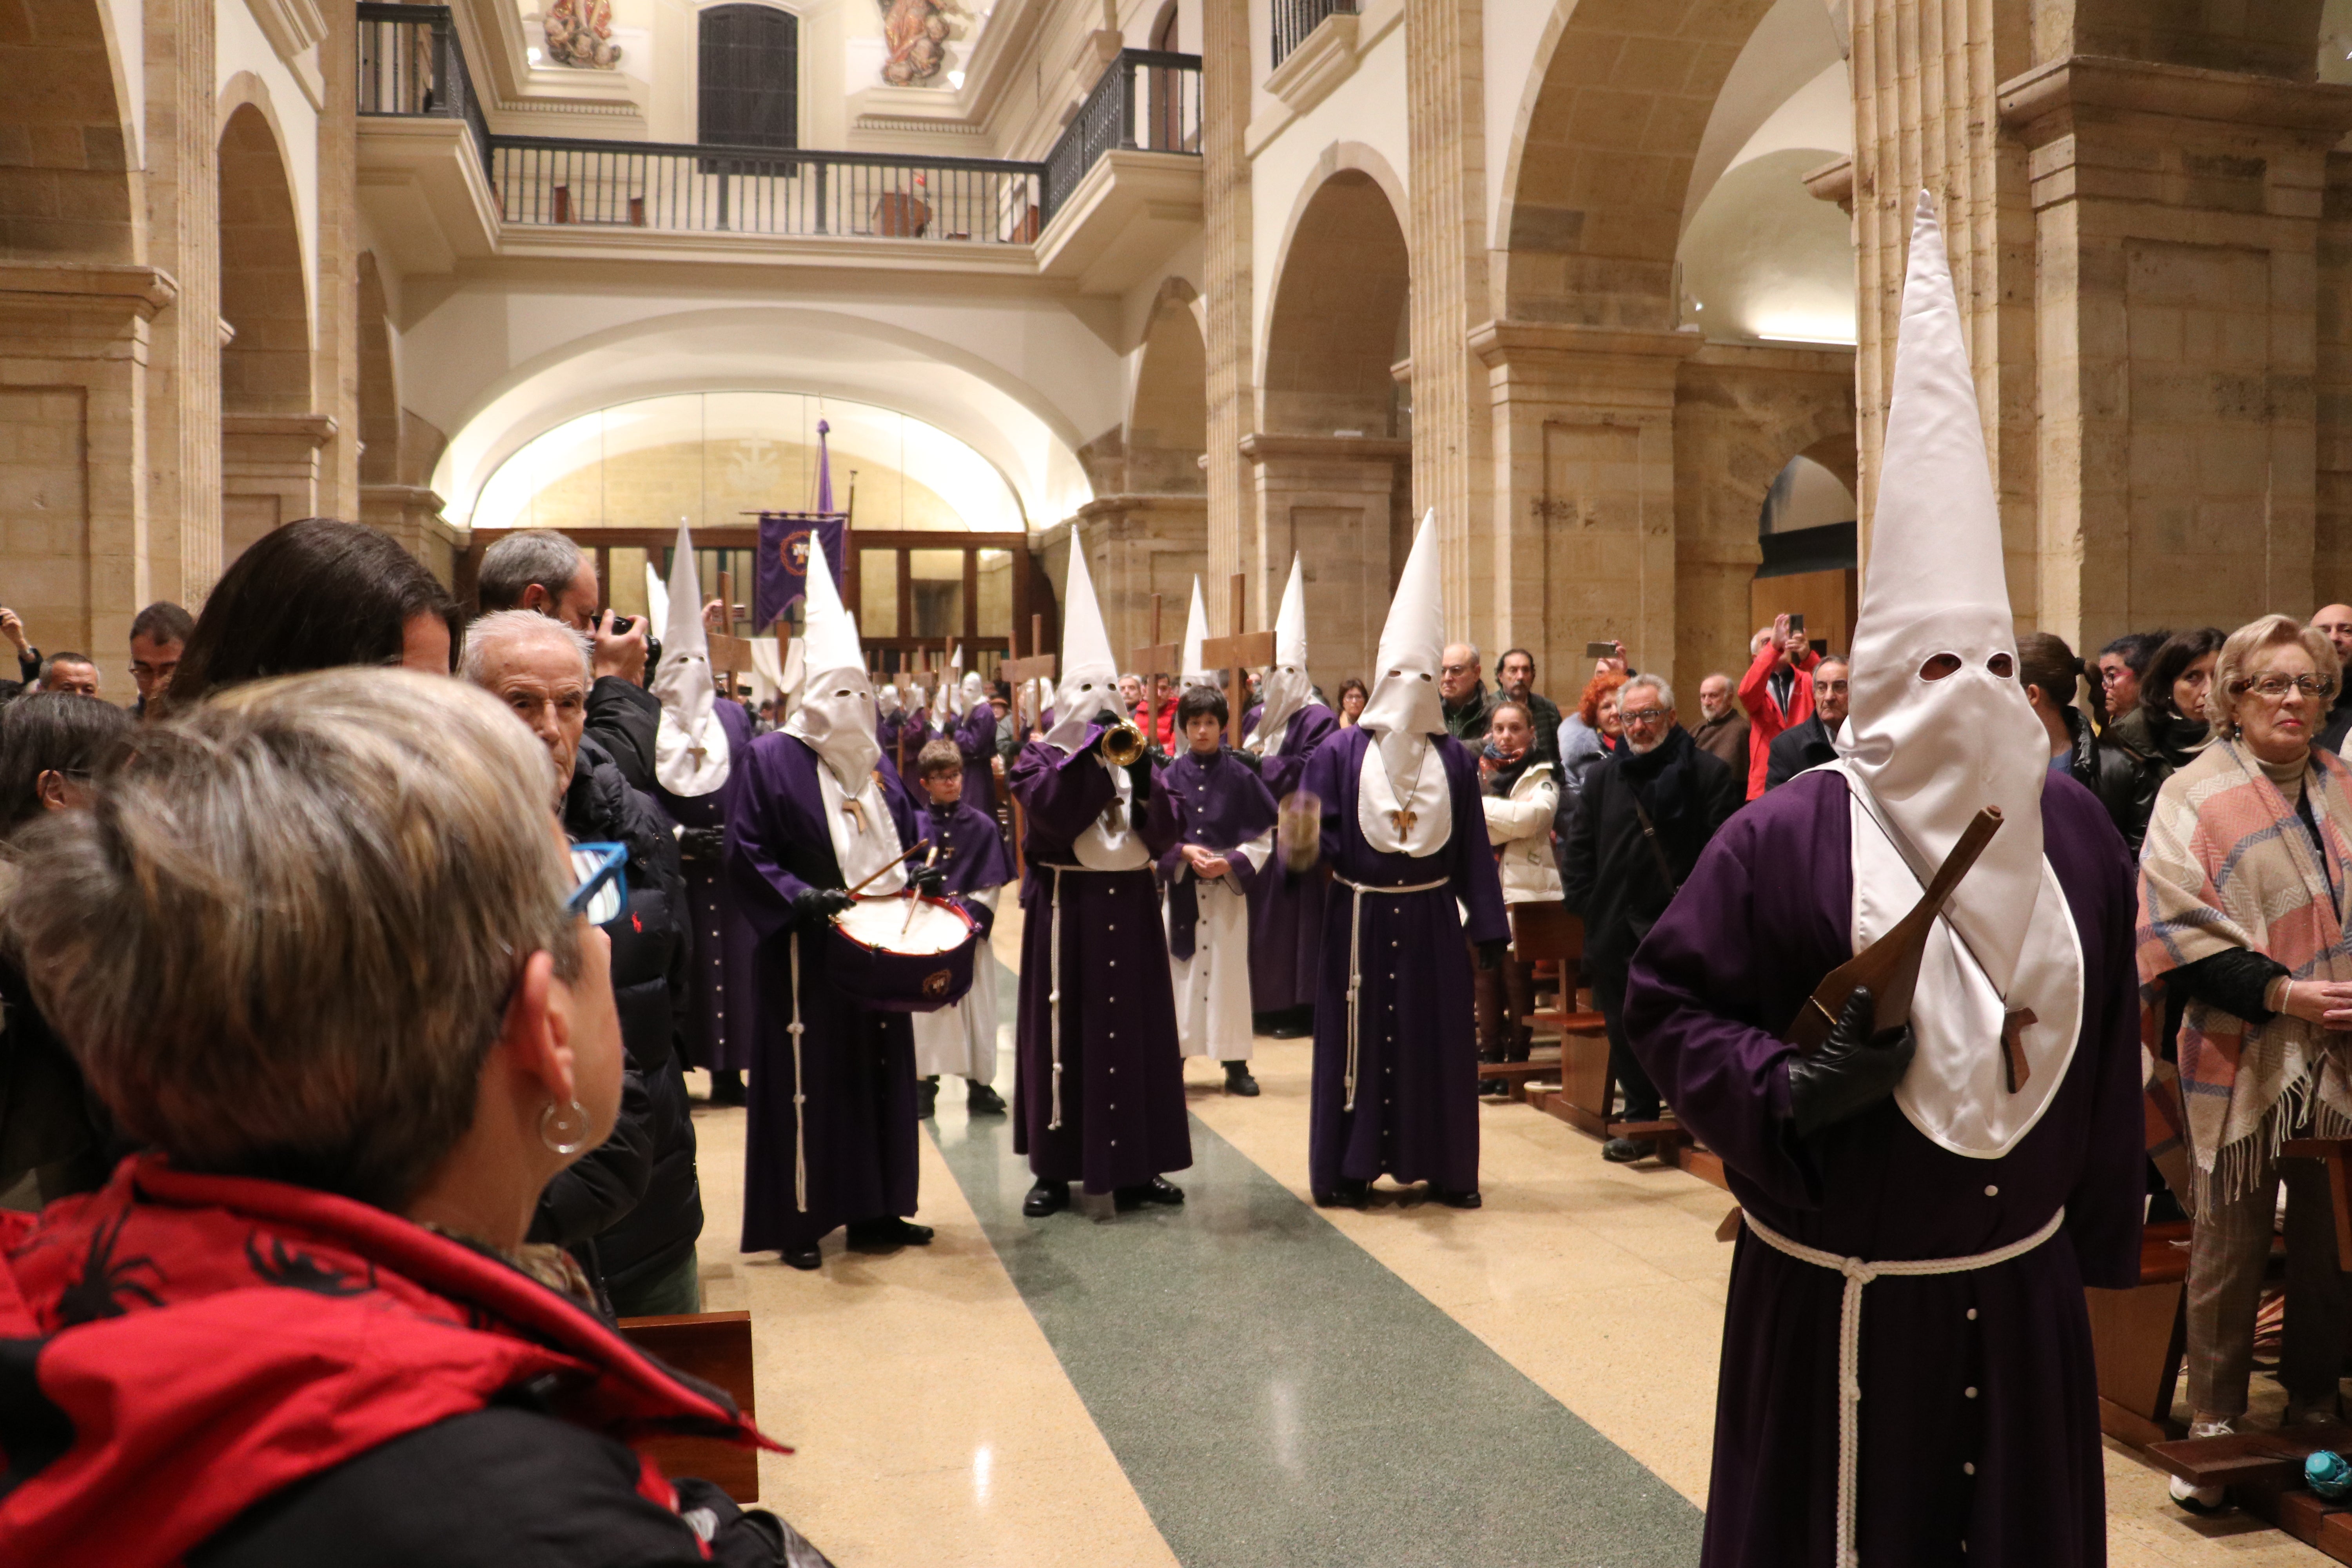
2138,1337
1546,933
715,1347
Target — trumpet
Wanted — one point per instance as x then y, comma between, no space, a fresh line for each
1123,744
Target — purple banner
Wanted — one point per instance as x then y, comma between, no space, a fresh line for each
783,577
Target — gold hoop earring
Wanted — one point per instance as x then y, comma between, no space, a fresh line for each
561,1138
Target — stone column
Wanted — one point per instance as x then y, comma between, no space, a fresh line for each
2332,494
270,473
1226,76
1340,502
1584,448
412,514
2177,214
1446,228
180,552
335,363
1137,545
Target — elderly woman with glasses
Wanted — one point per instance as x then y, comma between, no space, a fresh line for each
319,944
2243,888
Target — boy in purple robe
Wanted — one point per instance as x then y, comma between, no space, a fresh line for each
1286,905
1404,831
1908,1372
1099,1096
971,858
1213,814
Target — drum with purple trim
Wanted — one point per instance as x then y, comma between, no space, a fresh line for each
902,955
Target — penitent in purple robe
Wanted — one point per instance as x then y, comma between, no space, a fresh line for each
1287,907
721,979
856,1063
1979,1411
975,737
1122,1100
1416,1115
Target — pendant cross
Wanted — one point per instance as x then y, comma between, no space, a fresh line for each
2013,1069
1403,821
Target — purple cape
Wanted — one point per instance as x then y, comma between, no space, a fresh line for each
1286,906
975,737
972,852
1416,1115
1122,1091
1219,803
722,976
1979,1411
857,1064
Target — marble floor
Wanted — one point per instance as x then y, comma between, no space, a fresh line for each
1249,1381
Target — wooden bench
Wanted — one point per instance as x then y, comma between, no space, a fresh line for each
715,1347
2138,1336
1547,934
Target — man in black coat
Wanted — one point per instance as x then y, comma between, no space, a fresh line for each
540,570
1809,745
1646,812
2335,622
641,1253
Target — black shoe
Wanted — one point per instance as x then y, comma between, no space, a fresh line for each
1454,1199
926,1097
887,1233
1346,1196
727,1087
1625,1151
1161,1190
1495,1089
802,1258
979,1100
1238,1079
1044,1198
1298,1024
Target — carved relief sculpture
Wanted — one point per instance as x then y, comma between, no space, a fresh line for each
916,33
580,34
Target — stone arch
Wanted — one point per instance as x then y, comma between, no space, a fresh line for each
1601,158
379,390
1337,320
265,288
1168,416
66,140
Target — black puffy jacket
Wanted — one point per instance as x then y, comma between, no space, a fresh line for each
649,970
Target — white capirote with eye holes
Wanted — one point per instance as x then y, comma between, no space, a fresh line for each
1403,803
1288,689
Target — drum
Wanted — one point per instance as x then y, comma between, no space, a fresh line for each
903,959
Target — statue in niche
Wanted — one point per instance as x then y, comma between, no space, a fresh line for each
916,33
580,34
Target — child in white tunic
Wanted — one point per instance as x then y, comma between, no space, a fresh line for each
970,849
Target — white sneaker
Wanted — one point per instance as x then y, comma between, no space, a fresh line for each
2202,1499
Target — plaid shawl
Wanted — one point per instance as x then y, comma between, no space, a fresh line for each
2227,864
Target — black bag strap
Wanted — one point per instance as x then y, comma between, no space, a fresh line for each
1650,831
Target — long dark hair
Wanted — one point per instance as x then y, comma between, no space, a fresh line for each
51,731
310,596
2181,650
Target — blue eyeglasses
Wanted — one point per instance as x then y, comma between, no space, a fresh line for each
603,891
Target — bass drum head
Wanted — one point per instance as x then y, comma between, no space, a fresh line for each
900,961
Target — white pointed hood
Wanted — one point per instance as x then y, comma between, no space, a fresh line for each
1405,708
1934,753
658,593
1196,632
950,685
1089,681
690,750
836,713
1288,689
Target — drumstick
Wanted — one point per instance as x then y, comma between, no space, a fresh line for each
878,875
909,923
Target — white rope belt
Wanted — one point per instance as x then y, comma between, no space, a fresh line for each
1859,1274
1356,891
799,1099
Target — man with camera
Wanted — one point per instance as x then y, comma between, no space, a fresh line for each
541,570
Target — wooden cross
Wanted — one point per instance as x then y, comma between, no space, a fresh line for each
2013,1047
1151,662
1233,655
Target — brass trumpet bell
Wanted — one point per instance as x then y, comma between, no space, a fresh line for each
1123,743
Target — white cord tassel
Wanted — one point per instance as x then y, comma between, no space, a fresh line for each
1054,995
799,1099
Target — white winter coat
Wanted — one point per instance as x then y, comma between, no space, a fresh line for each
1519,824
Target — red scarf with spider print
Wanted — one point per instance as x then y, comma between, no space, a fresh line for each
175,1348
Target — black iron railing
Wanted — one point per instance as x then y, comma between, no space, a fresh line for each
1294,19
1147,99
411,65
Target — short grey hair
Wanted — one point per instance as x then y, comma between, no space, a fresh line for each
1656,683
502,625
2233,668
281,942
535,555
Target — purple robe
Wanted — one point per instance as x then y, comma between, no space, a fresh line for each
857,1064
1416,1115
1287,907
722,975
1218,804
1990,1369
975,737
972,852
1123,1117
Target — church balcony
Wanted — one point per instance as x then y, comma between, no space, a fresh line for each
1119,192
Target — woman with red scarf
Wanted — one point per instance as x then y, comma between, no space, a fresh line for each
320,946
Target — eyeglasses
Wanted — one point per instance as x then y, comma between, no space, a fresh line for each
602,891
1642,715
1458,669
2110,676
2275,688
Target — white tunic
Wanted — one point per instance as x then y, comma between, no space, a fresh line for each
1213,986
961,1039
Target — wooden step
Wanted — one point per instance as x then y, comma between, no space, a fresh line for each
2248,1458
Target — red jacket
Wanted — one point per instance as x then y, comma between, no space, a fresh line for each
1163,730
202,1342
1766,717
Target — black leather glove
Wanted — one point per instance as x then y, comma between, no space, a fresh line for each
927,879
1855,1069
1138,780
1249,760
698,844
818,904
1490,953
